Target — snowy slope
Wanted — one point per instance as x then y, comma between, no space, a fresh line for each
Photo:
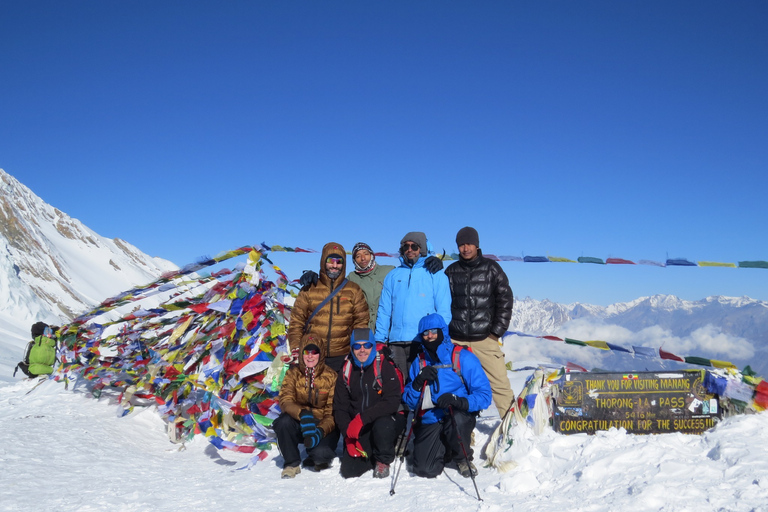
52,267
66,451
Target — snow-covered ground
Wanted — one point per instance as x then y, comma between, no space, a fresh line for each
65,450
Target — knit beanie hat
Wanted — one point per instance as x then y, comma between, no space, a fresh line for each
467,235
419,239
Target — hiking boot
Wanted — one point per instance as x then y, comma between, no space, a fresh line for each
290,472
308,463
321,467
381,470
466,469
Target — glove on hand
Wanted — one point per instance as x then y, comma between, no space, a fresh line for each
447,400
310,278
313,439
428,374
433,264
308,422
354,448
354,428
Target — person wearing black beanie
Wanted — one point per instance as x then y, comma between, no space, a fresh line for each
481,310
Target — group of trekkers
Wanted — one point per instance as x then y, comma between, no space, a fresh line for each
382,342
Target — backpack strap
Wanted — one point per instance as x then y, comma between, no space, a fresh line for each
320,306
377,386
346,371
456,363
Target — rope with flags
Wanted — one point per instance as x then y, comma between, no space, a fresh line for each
211,355
669,262
744,388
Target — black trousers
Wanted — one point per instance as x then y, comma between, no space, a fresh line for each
288,431
335,363
378,441
403,354
433,442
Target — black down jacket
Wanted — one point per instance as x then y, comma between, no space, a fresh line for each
481,299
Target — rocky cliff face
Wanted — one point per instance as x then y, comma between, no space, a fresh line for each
52,267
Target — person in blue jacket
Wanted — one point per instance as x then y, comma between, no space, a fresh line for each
438,384
416,288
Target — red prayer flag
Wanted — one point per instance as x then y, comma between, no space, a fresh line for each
761,394
669,355
619,261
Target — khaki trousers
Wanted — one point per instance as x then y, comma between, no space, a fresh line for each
491,358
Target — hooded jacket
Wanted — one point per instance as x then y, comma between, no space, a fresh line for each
41,351
476,388
299,392
361,397
482,299
410,293
334,323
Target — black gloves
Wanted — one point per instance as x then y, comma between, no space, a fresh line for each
309,277
447,400
427,374
432,264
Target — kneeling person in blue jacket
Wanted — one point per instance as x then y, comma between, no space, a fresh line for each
447,384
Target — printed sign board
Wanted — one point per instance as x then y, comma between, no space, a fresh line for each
641,403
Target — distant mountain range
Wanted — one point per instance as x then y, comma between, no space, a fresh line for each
52,268
723,328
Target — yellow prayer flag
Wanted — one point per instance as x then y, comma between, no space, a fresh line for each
722,364
180,330
716,264
277,329
598,344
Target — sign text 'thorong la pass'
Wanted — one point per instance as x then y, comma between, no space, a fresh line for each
641,403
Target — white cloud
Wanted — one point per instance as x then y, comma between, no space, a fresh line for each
708,342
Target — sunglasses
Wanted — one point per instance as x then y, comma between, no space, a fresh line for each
311,352
362,344
407,246
429,331
335,261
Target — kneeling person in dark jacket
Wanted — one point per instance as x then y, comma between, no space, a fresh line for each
365,408
306,399
451,396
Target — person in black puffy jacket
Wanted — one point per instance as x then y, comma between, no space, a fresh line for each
481,309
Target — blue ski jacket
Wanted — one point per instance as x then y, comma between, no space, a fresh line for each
408,294
476,387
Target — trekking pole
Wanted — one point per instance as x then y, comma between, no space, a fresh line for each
407,438
464,451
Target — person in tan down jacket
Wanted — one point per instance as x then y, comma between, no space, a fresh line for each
306,401
334,322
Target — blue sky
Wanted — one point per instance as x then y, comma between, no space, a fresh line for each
610,129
